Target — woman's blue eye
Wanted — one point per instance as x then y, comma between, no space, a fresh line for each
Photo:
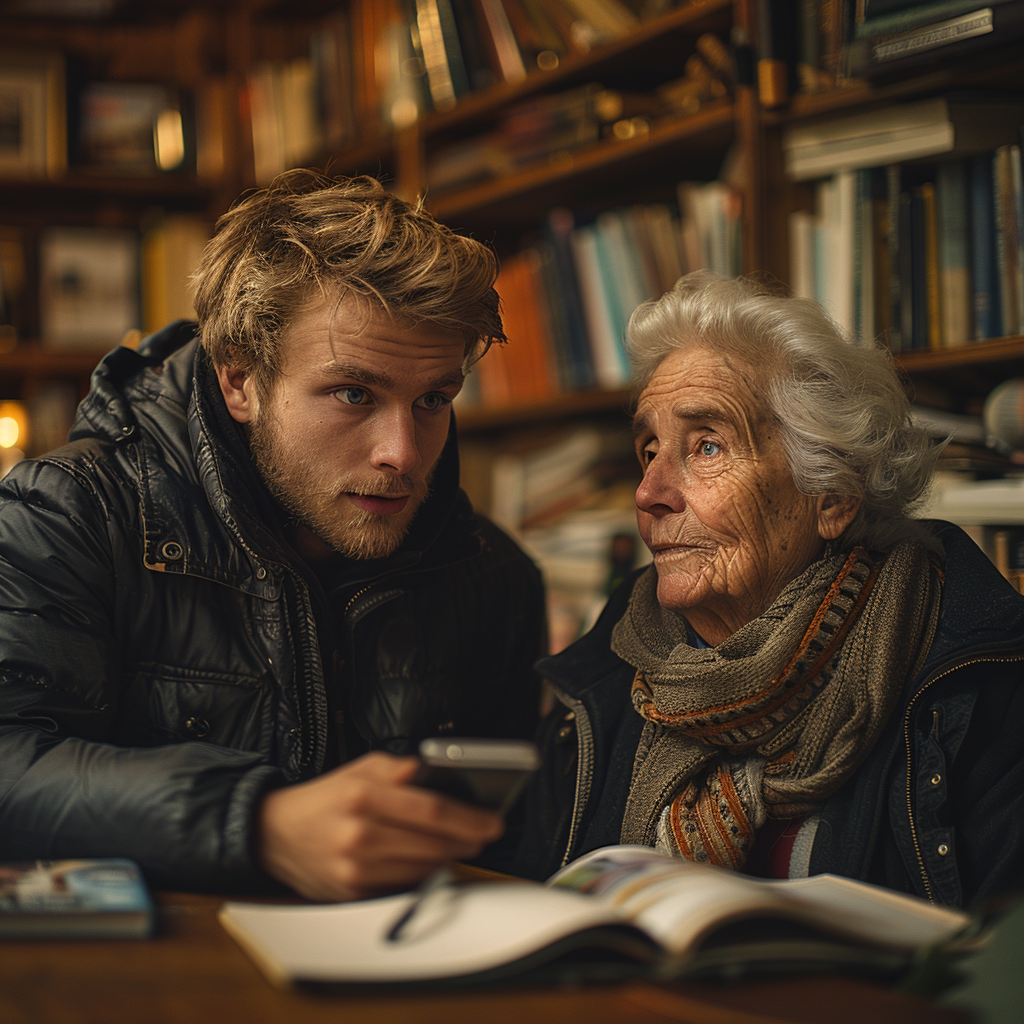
352,396
709,449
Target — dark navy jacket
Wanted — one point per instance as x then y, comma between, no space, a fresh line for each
937,809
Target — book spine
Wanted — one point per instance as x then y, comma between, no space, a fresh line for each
801,253
933,306
560,227
987,315
905,266
1007,252
829,34
913,16
453,47
500,40
435,56
609,368
615,243
953,253
883,304
527,37
547,29
931,37
556,315
774,33
1018,206
865,297
846,252
892,236
539,344
478,65
808,61
609,284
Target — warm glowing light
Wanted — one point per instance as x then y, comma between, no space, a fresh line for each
9,432
169,139
404,112
13,425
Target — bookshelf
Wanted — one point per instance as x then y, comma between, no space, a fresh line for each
217,56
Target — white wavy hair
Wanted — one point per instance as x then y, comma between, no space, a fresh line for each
841,410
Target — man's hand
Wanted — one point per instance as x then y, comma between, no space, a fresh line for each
361,830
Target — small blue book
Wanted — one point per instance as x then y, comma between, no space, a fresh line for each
102,898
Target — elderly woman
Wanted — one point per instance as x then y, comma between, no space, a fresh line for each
806,679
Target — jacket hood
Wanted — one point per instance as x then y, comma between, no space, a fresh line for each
193,462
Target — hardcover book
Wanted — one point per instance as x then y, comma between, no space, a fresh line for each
988,316
954,253
621,911
55,899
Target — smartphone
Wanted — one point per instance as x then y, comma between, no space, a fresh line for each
484,772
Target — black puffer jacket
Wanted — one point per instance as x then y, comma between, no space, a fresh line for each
165,659
937,809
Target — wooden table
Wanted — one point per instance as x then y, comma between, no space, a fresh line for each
192,971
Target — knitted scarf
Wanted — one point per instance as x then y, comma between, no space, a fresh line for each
779,715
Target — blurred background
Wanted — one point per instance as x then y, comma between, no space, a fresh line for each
602,147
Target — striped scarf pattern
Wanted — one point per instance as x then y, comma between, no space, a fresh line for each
779,715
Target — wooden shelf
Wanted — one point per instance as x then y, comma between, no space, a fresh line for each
960,378
155,186
28,360
477,420
708,132
996,351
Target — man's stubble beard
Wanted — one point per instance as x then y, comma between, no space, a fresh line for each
314,499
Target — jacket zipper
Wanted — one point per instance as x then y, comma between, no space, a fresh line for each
316,730
910,777
355,597
584,766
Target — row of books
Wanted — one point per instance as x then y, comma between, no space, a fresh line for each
929,257
817,45
97,285
465,45
567,298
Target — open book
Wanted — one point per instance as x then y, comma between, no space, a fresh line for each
621,911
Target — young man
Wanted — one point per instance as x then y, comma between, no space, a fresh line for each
236,600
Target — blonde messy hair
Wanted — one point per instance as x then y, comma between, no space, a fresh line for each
309,234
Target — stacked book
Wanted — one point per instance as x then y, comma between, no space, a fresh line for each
918,228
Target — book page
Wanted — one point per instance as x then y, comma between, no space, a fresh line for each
675,901
469,928
678,902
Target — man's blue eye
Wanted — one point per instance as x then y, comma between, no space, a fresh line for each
352,396
433,401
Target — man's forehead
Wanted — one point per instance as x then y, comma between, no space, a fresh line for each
327,337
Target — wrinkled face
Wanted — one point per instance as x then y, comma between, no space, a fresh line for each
717,505
353,426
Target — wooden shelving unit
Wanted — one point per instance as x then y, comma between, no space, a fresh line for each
188,40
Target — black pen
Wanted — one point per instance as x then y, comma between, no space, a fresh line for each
439,880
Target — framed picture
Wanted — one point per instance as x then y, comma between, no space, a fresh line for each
89,287
33,127
134,128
